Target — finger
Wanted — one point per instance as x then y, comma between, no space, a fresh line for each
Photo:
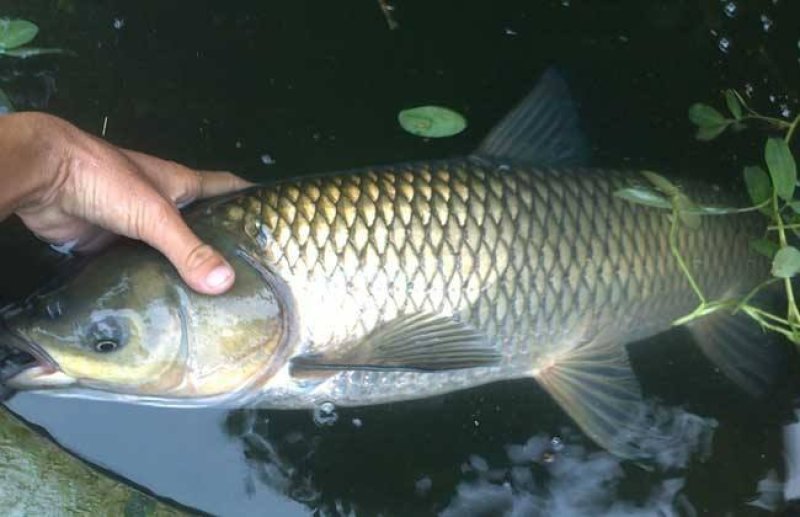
180,183
200,266
213,183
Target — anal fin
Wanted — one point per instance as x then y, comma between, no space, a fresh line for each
596,386
422,341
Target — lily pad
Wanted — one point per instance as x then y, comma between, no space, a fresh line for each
432,121
15,33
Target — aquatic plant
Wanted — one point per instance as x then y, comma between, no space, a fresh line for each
14,35
772,192
432,121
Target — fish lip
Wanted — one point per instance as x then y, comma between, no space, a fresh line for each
43,364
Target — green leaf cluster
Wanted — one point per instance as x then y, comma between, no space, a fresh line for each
771,185
711,123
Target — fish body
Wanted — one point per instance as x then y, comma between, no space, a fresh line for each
539,261
406,281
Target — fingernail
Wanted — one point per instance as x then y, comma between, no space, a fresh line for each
219,276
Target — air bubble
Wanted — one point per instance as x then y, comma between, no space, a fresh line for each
325,414
730,9
556,444
766,23
724,44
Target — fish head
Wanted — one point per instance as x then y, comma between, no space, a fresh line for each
127,325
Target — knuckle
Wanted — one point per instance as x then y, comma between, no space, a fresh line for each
187,187
198,256
149,218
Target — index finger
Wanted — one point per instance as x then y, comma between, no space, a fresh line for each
182,184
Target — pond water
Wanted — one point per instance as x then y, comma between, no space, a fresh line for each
275,89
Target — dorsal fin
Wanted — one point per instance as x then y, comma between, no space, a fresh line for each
544,129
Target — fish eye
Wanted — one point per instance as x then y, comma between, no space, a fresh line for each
105,346
107,334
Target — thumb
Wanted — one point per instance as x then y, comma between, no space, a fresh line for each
200,265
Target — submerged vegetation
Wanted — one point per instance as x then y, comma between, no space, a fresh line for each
772,192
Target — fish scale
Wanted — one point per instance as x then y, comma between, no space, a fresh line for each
528,256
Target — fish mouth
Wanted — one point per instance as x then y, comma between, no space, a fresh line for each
25,365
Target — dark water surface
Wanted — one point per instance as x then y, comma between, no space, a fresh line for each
316,86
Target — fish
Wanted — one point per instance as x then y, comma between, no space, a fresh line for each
412,280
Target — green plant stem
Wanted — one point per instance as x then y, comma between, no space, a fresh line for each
753,292
673,245
792,128
758,315
792,313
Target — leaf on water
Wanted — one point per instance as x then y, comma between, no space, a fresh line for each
734,106
661,183
758,186
765,247
644,196
703,115
5,103
688,212
26,52
15,33
786,263
782,167
708,133
432,121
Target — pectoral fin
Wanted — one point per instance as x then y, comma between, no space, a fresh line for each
415,342
596,386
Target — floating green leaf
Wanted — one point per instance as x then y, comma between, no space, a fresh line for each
710,122
644,196
765,247
786,263
758,185
709,133
431,121
734,106
795,205
661,183
782,167
703,115
5,103
15,33
688,212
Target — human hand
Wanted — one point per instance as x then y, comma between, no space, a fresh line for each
70,187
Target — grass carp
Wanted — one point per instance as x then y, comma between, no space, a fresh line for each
406,281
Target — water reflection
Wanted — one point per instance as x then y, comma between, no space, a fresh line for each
445,456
